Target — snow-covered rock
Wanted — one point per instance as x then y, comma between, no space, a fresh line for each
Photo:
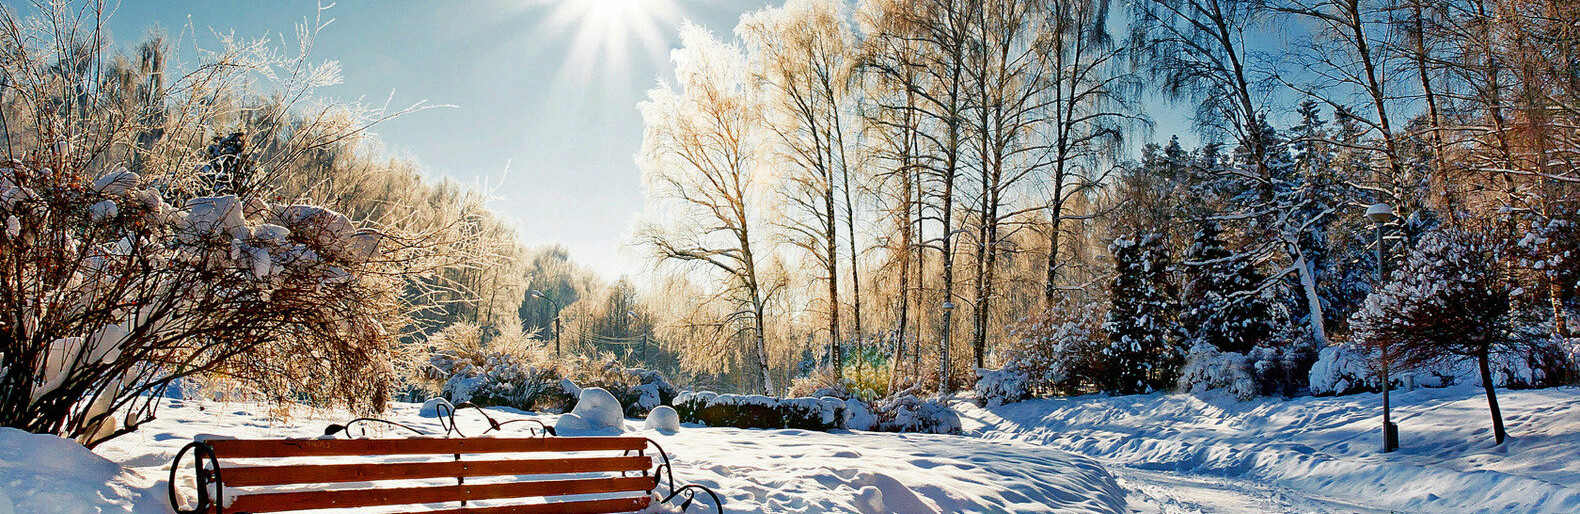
433,407
596,410
662,418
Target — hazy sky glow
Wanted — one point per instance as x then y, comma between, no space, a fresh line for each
546,87
544,93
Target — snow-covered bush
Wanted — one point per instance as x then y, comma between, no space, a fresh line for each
133,255
756,411
508,371
217,283
662,418
1282,370
908,413
1343,369
1207,368
997,387
1058,350
638,390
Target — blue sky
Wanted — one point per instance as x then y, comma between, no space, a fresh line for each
567,127
529,95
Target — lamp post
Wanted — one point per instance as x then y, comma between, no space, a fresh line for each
1381,213
943,357
557,308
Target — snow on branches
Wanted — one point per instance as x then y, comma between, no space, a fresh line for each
117,292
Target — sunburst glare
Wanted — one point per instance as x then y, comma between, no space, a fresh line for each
603,33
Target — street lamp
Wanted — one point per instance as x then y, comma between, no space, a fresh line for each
1381,213
557,308
943,358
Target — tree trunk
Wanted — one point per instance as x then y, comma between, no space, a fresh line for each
1319,331
1050,288
836,354
1498,434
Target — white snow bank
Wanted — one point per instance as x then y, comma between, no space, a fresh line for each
1328,446
596,411
47,474
662,418
793,471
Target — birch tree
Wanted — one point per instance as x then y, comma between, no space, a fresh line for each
701,161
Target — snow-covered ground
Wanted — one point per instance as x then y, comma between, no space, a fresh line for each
1152,453
1210,453
756,470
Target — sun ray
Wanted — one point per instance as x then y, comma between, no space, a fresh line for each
602,34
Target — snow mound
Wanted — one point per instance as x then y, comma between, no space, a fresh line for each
663,418
49,474
430,408
596,410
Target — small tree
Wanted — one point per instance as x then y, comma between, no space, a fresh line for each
1226,307
1143,325
1450,300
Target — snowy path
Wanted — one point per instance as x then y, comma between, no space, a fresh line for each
1187,453
1167,492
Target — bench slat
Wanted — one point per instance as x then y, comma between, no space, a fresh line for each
336,473
580,507
280,448
351,498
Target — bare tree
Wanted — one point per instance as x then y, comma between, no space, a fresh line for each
934,35
1092,105
803,54
700,157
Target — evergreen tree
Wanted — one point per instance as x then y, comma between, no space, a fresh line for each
1225,306
1144,352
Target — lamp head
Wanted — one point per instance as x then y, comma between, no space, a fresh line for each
1379,212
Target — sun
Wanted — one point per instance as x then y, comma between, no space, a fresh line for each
605,32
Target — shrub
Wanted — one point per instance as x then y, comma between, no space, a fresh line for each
756,411
908,413
996,387
1207,368
508,371
1059,350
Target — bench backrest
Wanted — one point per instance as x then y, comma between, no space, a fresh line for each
614,470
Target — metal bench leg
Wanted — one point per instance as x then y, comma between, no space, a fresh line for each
205,477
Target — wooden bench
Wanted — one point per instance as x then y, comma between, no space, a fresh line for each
448,475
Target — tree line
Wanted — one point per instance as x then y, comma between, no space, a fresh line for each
917,186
